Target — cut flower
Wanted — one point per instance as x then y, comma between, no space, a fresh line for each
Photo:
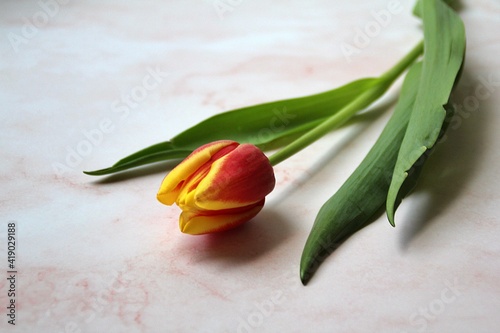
219,186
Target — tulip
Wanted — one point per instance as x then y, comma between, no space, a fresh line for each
219,186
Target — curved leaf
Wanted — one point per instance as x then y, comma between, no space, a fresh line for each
444,44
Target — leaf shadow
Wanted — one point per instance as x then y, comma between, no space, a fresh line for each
240,245
454,162
361,121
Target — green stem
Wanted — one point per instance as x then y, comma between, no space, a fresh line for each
359,103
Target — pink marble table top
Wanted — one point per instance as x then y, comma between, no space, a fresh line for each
85,83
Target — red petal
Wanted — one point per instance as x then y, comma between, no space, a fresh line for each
242,177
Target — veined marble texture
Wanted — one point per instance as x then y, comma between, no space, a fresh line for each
85,83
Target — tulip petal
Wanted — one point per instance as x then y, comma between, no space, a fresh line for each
174,182
204,222
242,177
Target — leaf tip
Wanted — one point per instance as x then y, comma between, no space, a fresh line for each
309,263
390,210
391,220
304,276
100,172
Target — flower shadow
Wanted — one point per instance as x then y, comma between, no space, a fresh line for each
243,244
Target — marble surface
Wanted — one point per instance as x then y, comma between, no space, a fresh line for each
85,83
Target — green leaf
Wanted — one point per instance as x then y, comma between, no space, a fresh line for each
268,125
417,10
264,123
444,45
363,194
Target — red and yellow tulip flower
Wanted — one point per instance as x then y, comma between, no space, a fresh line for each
219,186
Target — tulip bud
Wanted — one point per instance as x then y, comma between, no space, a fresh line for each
219,186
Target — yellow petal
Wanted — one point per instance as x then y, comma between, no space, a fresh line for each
195,224
173,183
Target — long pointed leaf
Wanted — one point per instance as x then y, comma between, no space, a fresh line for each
364,193
265,125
